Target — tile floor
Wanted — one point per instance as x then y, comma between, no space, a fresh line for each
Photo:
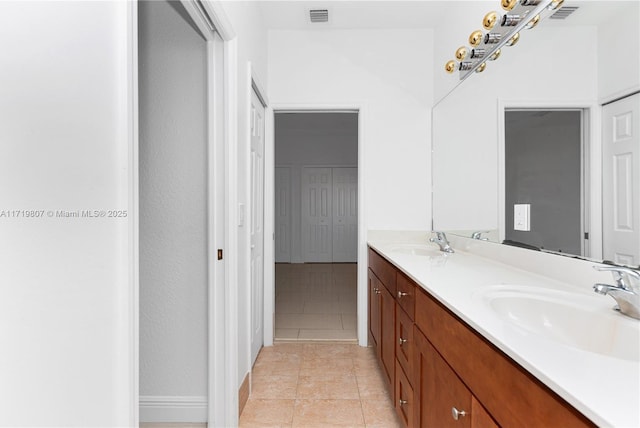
316,301
318,385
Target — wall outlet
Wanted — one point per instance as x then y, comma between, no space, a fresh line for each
522,217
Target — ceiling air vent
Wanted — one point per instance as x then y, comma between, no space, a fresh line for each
319,15
564,12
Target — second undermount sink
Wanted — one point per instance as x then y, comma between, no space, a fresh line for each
573,319
415,250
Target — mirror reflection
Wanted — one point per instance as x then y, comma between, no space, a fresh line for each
541,150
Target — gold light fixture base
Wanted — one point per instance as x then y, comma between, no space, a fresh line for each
531,24
495,55
475,38
489,20
512,41
481,67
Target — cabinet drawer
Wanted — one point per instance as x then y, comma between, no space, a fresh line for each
383,270
404,341
509,393
406,294
404,398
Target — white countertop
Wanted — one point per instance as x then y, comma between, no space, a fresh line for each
605,389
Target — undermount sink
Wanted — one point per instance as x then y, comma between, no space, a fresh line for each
415,250
572,319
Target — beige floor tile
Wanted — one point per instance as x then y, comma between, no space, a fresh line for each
380,413
290,307
328,335
316,413
275,368
282,386
372,387
366,366
267,412
326,366
309,321
328,387
321,351
286,333
349,321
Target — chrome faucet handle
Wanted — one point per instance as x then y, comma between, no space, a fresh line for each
441,240
625,278
478,235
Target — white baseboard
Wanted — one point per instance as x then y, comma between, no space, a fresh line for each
155,408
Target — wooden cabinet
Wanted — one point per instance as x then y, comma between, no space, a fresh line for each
441,399
443,373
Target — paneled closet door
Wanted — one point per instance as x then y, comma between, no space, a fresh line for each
345,215
317,187
620,178
283,214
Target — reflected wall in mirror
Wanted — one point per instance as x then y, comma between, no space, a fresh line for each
580,63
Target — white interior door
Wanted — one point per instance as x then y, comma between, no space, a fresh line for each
257,224
620,183
345,214
283,214
316,215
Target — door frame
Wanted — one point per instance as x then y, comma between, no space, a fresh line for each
210,18
592,165
269,301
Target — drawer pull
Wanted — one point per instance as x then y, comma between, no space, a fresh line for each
457,414
377,291
402,341
402,402
401,294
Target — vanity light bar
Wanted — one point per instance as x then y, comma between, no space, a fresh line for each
501,30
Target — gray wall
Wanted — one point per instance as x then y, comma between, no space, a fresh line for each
306,139
543,164
173,227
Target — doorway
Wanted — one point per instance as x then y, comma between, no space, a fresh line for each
316,225
545,186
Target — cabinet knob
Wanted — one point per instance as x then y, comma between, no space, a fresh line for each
377,291
402,402
402,341
457,414
401,294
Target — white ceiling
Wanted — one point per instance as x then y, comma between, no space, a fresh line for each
412,14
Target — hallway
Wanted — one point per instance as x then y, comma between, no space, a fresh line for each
313,385
316,301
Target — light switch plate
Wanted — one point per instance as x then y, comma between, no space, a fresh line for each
522,217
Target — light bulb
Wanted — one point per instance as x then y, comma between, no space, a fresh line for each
478,53
555,4
475,38
509,4
494,56
533,22
461,53
489,20
450,66
513,40
481,67
530,2
466,66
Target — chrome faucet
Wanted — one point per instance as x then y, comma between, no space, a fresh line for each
626,291
478,235
441,240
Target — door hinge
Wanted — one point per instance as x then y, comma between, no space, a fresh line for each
219,254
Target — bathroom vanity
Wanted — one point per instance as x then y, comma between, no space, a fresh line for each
466,339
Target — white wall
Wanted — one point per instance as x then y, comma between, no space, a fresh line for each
65,312
251,39
389,74
548,65
618,54
173,215
327,139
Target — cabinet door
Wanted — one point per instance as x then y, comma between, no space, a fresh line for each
404,341
387,336
374,311
441,400
404,397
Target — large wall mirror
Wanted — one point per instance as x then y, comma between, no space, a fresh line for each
523,151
